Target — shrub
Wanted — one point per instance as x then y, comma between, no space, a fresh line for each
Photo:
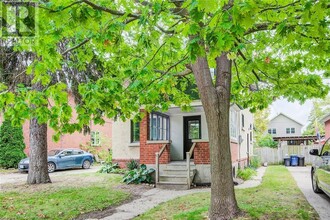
137,176
267,141
255,162
132,164
111,168
11,145
246,174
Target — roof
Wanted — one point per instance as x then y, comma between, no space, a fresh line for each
325,118
286,117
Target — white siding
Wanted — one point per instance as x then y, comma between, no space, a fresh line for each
281,123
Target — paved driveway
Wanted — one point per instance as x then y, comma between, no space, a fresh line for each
320,202
17,177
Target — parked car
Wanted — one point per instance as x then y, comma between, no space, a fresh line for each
63,159
320,172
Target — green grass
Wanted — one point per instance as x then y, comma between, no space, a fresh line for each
278,197
62,202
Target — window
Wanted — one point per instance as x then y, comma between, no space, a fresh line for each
233,124
159,126
274,130
290,130
242,121
135,132
95,138
269,131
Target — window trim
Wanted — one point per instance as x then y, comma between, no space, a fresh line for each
132,131
94,133
159,129
233,120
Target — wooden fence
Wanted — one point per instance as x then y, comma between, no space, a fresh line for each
276,155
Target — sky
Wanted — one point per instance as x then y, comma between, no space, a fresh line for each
294,110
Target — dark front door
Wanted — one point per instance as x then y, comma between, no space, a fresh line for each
192,130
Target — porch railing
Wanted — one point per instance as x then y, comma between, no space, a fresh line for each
188,156
158,155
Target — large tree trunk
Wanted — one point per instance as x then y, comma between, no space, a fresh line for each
216,103
38,167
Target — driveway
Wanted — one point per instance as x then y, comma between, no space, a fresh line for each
17,177
320,202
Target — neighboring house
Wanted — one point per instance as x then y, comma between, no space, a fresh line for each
175,132
284,126
326,121
99,137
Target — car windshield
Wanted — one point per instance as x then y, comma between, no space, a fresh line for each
53,152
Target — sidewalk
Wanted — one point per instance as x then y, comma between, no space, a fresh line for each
154,197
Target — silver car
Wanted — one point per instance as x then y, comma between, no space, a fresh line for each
63,159
320,172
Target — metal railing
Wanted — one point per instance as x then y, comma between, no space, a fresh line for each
188,156
158,155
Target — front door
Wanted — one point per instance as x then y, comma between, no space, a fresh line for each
192,130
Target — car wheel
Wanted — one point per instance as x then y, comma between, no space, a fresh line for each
316,188
51,167
86,164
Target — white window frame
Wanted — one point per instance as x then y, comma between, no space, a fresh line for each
95,138
159,127
233,124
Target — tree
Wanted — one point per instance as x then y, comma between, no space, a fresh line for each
11,145
320,109
261,50
261,123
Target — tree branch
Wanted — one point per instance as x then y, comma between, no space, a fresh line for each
75,47
108,10
279,7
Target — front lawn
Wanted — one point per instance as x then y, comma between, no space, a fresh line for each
278,197
66,198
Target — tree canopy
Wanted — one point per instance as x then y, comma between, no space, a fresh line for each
146,50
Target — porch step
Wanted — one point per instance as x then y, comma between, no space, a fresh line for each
173,185
181,178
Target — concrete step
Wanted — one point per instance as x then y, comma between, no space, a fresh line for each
176,172
173,185
173,178
179,166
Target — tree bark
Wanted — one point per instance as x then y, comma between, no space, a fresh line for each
216,103
38,167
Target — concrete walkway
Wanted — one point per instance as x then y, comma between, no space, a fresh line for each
320,202
154,197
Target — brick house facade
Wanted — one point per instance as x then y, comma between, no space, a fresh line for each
178,130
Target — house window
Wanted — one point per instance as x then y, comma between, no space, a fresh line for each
95,138
135,132
269,131
274,130
242,121
293,130
288,130
233,124
159,126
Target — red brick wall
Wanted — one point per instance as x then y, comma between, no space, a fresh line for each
148,151
74,140
327,129
202,152
234,149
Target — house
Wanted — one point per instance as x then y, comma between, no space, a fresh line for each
326,121
166,140
98,139
284,126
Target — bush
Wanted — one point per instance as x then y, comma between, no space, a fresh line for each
267,141
132,164
255,162
11,145
137,176
246,174
111,168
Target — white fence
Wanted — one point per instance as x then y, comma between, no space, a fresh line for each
276,155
